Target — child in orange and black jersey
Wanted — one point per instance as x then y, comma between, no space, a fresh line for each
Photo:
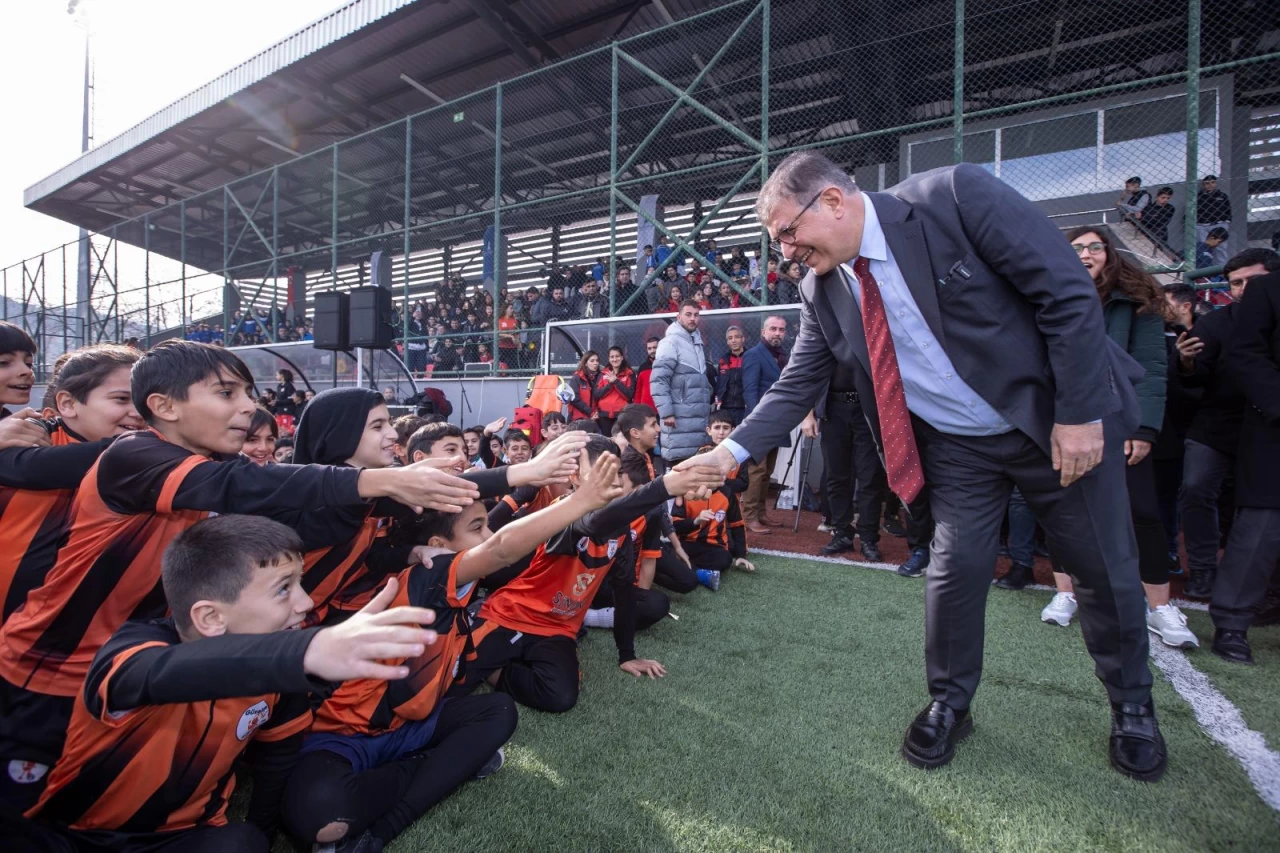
525,635
17,354
142,491
38,485
713,530
169,706
646,535
383,753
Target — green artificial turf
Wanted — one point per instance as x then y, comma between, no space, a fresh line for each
1255,690
779,725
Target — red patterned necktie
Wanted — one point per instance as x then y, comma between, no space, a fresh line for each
901,456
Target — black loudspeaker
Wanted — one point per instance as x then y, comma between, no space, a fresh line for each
372,319
380,269
329,326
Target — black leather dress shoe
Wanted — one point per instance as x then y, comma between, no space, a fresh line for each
871,551
932,736
1137,747
1232,646
840,542
1017,578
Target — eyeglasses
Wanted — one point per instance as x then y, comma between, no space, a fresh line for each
1091,248
788,235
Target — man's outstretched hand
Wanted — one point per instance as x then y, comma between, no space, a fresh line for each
718,459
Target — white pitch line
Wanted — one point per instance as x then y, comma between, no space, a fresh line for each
1182,603
1223,722
1217,716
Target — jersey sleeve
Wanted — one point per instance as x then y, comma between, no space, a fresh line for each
243,487
147,664
141,473
43,468
491,482
505,510
651,545
622,577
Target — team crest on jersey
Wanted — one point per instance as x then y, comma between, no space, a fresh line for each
583,543
613,548
252,718
27,772
635,534
719,515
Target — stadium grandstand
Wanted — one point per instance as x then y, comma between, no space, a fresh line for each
407,144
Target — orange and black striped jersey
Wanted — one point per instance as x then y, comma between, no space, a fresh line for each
550,597
368,706
646,538
141,493
725,515
520,502
36,520
329,570
154,735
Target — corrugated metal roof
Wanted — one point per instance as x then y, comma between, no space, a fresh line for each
336,25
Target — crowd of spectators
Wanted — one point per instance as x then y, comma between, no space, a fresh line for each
249,328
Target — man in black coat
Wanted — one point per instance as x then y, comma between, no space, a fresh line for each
1253,548
982,362
1214,434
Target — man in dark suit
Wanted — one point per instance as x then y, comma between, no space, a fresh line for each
761,367
1253,547
982,363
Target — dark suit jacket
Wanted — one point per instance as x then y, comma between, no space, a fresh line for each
1025,330
759,372
1217,421
1253,360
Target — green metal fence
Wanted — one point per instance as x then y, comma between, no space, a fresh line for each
670,133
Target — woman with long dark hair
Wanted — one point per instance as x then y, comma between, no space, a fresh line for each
583,384
1134,309
260,441
615,388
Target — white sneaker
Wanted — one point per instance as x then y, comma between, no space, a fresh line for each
823,527
1168,623
1060,610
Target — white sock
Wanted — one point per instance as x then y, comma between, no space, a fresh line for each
599,618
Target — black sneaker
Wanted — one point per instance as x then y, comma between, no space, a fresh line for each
871,551
1017,578
893,526
493,765
1200,585
915,565
841,541
365,842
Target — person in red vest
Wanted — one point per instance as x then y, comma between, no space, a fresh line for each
642,375
583,384
615,388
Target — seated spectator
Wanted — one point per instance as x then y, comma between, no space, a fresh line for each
1156,218
1134,200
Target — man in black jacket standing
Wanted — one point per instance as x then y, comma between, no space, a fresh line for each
1253,548
1214,433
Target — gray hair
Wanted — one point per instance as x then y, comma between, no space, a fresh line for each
798,178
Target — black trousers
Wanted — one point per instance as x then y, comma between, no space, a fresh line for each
652,605
1253,551
1168,485
324,788
538,672
33,728
25,836
708,556
1089,527
672,574
855,479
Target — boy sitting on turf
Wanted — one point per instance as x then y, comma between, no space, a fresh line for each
638,427
144,490
713,531
385,752
525,636
169,706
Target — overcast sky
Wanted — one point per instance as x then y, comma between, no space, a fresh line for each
148,53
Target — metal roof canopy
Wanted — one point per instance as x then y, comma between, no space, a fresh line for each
333,79
373,62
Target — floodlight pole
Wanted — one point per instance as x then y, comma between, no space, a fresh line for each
1193,136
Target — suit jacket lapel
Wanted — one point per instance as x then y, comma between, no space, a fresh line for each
906,240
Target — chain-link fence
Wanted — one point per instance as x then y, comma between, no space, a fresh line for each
626,174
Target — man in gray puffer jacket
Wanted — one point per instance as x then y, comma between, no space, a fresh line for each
681,390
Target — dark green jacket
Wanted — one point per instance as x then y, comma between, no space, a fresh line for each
1142,336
